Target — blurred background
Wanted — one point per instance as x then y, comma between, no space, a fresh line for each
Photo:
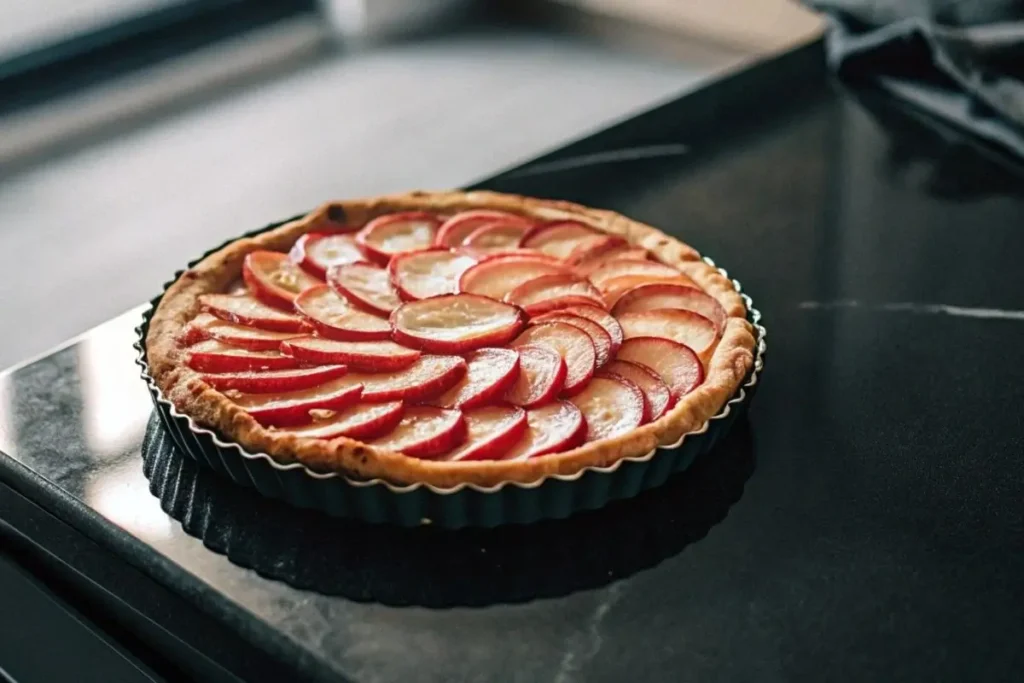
136,134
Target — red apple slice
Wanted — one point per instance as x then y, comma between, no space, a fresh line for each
572,343
602,318
558,238
292,407
370,356
602,340
275,280
559,303
541,377
363,421
272,381
424,379
425,432
617,286
316,252
553,428
335,318
490,432
496,236
677,365
214,356
456,323
686,327
427,273
611,406
489,374
246,310
207,326
366,286
597,247
620,267
601,252
654,296
391,234
657,397
461,225
554,286
483,257
496,277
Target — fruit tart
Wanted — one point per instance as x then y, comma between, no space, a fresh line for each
451,338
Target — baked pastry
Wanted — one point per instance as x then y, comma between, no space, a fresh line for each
451,338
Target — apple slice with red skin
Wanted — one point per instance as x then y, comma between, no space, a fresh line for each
489,374
215,356
335,318
490,432
496,277
273,279
554,286
394,233
316,252
369,356
602,318
273,381
496,236
611,406
653,296
249,311
572,343
657,397
428,377
366,286
558,238
207,326
553,428
362,421
602,252
541,377
425,432
484,257
677,365
559,303
431,272
617,286
457,323
602,340
620,267
686,327
292,407
460,226
597,247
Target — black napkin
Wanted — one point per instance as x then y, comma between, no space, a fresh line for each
960,60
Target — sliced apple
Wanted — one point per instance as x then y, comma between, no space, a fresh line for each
456,323
558,304
334,317
617,286
483,257
553,428
247,310
686,327
363,421
316,252
597,247
489,374
425,432
677,365
292,407
496,277
273,279
207,326
370,356
602,340
651,297
572,343
427,273
215,356
365,286
600,253
657,397
496,236
611,406
461,225
555,286
273,381
541,377
619,267
394,233
427,377
602,318
558,238
490,432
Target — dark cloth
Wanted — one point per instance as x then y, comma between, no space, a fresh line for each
960,60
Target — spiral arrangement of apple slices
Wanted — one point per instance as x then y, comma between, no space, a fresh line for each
482,336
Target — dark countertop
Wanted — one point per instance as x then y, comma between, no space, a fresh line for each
880,534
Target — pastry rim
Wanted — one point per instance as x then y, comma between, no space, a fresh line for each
182,387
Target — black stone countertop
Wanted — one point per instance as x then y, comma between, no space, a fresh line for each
866,524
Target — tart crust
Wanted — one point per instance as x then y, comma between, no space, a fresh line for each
726,370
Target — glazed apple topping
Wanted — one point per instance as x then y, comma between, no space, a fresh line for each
488,336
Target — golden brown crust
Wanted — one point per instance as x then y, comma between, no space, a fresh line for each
729,364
